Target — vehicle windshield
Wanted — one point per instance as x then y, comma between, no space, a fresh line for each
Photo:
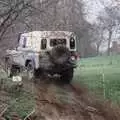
54,42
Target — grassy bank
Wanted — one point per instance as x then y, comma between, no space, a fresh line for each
19,99
101,75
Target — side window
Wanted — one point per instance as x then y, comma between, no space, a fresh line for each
72,43
43,44
24,42
19,37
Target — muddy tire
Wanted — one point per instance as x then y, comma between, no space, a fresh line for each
10,68
30,70
59,54
67,76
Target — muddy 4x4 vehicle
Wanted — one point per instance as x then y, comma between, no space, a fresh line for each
51,53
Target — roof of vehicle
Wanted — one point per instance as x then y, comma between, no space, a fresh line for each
48,33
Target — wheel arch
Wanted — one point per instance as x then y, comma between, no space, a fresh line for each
28,61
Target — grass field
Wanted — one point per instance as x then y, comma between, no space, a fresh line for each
19,100
101,75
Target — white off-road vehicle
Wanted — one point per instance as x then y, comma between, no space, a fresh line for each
44,52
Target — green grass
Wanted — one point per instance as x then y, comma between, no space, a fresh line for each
20,101
101,75
21,104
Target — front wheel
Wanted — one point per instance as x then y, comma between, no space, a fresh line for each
12,70
67,76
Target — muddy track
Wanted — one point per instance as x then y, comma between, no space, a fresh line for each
71,102
68,102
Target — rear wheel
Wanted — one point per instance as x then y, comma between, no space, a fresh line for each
59,54
30,70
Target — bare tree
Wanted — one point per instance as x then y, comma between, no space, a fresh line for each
12,11
97,36
109,20
20,15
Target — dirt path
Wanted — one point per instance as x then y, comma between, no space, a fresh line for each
71,102
68,102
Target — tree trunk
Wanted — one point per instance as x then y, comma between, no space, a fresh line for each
98,46
109,42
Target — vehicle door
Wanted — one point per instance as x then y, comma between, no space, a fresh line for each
19,58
